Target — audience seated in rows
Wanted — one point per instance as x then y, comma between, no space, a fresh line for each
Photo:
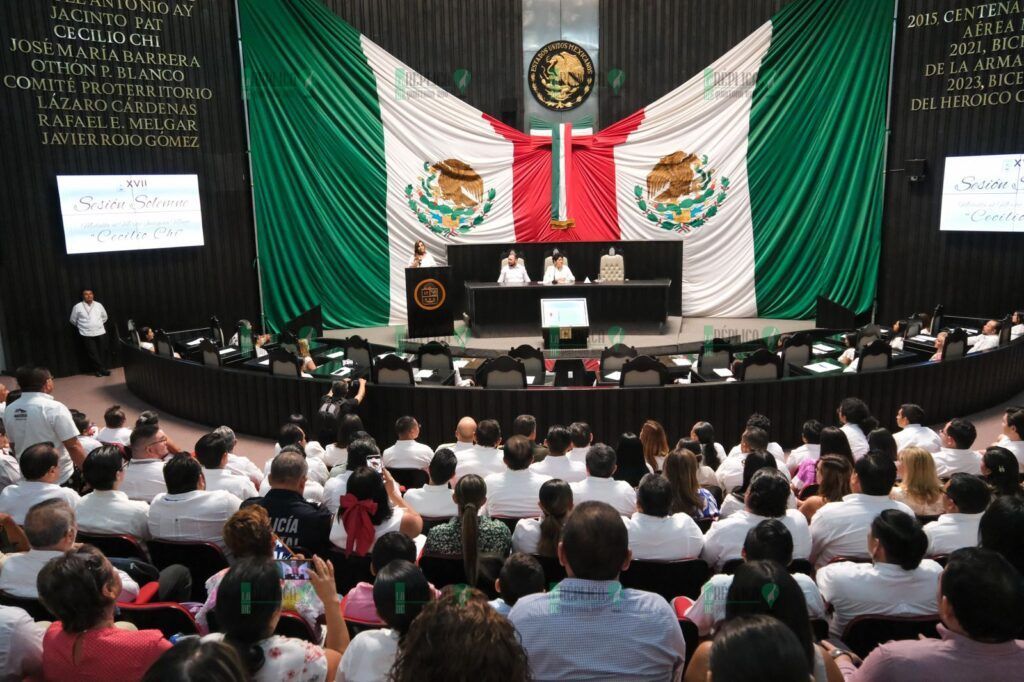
656,534
212,453
40,470
833,481
1001,470
301,525
513,492
465,436
754,462
369,508
768,540
556,463
114,431
910,418
292,434
840,529
857,422
681,472
188,512
434,500
919,487
655,442
600,486
526,425
358,603
520,576
469,534
107,510
766,498
582,438
484,458
955,455
754,439
898,582
360,452
630,465
810,450
964,500
336,454
540,536
238,463
590,627
144,475
407,453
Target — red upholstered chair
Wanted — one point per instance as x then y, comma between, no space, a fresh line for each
691,635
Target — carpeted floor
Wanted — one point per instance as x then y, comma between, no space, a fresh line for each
93,395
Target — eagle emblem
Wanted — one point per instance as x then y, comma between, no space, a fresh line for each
561,75
682,193
449,197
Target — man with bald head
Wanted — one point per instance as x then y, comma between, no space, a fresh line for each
465,436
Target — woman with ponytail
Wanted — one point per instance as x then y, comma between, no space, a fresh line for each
540,536
248,609
468,534
370,508
712,453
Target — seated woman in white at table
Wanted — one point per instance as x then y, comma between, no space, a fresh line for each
558,272
420,257
308,365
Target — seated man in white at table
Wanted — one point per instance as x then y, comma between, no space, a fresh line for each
558,272
106,509
909,418
513,272
515,492
899,582
582,438
599,484
965,501
765,499
955,455
406,453
240,464
840,529
769,540
212,453
434,500
557,464
114,430
51,529
987,339
187,512
144,475
1012,437
654,532
40,469
465,436
484,458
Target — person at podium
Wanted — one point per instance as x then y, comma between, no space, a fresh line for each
513,271
420,257
558,272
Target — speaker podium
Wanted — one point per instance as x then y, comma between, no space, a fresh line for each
427,302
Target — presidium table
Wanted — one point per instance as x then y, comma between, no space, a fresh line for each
638,305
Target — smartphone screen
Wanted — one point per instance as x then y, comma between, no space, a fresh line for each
281,550
374,463
294,569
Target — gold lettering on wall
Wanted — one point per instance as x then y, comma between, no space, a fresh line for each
102,74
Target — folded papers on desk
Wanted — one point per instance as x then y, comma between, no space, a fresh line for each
821,367
723,372
335,354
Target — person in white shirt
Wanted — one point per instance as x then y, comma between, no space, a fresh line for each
292,434
541,536
759,421
372,652
599,484
239,463
10,471
349,427
357,528
987,339
558,272
86,429
88,317
955,455
655,534
736,500
465,436
434,500
514,493
899,582
839,529
512,271
188,512
484,458
769,540
144,475
406,453
810,434
582,438
766,498
51,529
856,421
1012,437
21,645
420,257
1017,330
212,453
114,430
107,510
909,418
557,464
730,472
965,500
39,466
36,417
